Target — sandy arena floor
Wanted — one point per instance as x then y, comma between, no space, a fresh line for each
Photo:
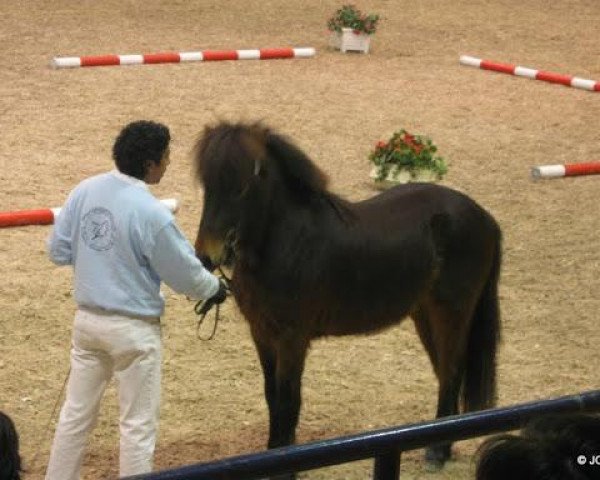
57,127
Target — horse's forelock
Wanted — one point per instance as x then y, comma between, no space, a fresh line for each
200,154
228,151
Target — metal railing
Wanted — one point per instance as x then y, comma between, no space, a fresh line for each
384,446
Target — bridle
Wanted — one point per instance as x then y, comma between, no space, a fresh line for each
230,250
204,306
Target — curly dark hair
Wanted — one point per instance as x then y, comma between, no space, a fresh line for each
138,143
10,460
550,447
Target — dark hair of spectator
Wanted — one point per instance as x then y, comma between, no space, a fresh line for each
551,447
10,460
137,144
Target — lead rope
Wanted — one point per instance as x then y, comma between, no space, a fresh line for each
47,428
204,306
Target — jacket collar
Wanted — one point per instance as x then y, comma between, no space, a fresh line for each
129,179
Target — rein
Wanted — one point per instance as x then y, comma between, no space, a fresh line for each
47,428
204,306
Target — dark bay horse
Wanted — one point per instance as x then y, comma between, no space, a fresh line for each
308,263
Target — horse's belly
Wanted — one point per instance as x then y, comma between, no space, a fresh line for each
353,323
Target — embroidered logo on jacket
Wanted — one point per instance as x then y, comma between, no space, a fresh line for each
98,229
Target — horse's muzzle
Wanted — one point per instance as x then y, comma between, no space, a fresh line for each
213,252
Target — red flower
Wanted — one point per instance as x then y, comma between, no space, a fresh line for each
406,151
409,141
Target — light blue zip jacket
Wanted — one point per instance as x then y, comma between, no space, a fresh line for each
122,242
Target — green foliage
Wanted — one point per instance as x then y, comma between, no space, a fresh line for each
407,152
350,17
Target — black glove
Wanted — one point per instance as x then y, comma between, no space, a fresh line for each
221,294
203,307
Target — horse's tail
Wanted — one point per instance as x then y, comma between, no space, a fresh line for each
479,388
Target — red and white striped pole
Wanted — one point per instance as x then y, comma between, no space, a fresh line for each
178,57
566,170
46,216
551,77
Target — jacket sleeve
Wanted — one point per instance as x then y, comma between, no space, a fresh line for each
173,258
59,244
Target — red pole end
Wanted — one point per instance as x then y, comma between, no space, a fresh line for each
26,217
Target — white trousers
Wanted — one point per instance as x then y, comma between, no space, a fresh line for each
103,345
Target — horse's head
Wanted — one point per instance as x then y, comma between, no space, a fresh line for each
248,174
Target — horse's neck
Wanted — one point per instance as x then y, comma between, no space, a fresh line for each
342,208
325,219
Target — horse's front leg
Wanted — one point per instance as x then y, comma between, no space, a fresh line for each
282,364
291,356
268,361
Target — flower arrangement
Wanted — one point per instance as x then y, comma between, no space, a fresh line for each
408,152
350,17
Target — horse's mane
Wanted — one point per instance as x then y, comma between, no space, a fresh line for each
302,176
219,153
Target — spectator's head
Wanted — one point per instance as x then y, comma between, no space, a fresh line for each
10,460
550,447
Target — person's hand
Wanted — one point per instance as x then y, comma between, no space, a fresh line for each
220,296
202,308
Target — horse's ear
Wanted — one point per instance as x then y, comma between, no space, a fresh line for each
255,144
303,177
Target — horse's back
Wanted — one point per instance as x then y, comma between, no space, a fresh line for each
420,197
424,205
452,216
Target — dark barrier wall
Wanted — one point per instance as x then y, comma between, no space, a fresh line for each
384,445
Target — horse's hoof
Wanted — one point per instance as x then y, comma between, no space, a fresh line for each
436,457
432,466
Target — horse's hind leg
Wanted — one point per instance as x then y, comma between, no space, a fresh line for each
449,389
443,333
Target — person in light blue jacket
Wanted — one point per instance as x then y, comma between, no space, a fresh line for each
122,243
